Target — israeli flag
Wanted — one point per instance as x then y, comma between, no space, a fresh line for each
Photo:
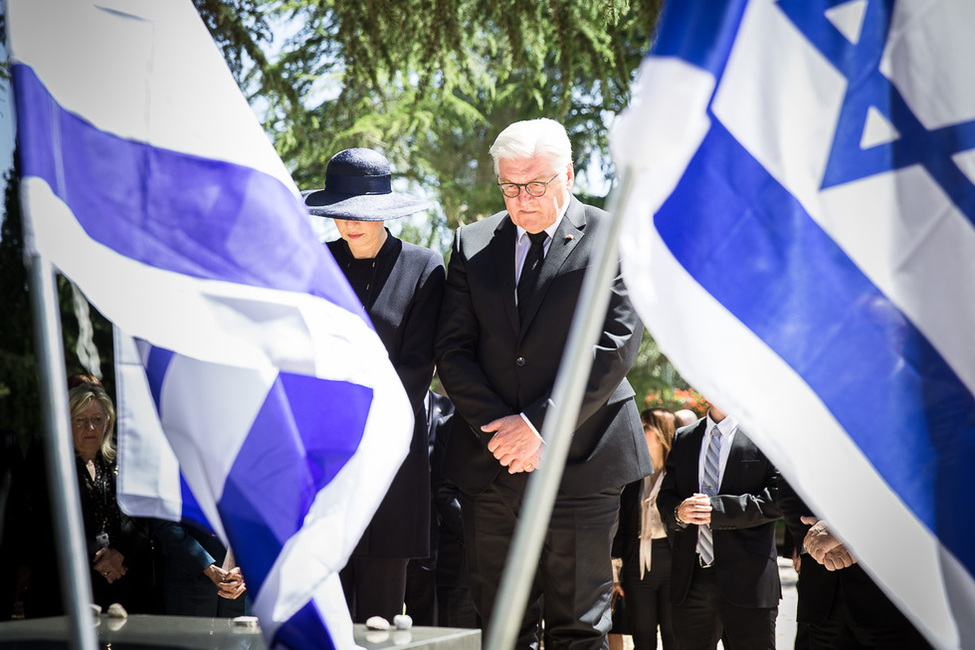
148,181
801,244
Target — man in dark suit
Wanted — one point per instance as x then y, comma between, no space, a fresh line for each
718,499
512,286
841,604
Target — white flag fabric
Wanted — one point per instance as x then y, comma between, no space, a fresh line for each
801,245
148,181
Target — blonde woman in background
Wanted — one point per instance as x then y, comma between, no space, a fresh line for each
642,545
118,546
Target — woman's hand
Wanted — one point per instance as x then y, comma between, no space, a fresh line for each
110,564
617,585
617,594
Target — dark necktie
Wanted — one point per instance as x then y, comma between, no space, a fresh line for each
530,270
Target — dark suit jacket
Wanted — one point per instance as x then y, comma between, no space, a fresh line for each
403,303
742,520
438,414
492,365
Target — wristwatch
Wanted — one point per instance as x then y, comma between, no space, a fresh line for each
680,521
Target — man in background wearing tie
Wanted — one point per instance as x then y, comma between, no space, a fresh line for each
512,286
718,499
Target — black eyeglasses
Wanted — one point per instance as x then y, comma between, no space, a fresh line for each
535,188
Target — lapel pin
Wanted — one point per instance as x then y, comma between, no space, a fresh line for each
569,237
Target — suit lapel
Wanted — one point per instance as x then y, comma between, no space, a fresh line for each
567,236
734,459
503,253
694,441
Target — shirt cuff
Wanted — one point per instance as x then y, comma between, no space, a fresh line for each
531,426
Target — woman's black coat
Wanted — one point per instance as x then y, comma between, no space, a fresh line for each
401,289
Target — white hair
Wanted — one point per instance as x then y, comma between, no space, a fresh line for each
530,138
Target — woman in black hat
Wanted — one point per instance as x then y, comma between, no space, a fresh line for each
400,286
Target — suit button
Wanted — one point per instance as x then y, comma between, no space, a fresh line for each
520,361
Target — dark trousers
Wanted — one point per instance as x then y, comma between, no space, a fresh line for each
374,587
574,575
421,592
842,631
648,600
456,608
705,616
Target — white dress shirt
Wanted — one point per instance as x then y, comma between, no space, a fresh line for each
728,427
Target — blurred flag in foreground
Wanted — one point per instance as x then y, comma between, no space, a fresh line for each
801,244
148,181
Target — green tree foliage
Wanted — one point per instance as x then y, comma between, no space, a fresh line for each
431,82
654,380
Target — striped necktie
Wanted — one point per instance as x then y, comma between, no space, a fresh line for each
705,542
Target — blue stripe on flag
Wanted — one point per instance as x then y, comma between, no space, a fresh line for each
191,511
913,418
118,195
702,38
156,366
306,431
306,629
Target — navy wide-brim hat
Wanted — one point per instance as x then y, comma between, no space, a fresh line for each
358,187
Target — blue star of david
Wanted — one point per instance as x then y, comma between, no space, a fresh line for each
868,87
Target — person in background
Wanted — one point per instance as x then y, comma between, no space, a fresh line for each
839,602
455,606
718,500
422,603
400,286
641,542
197,580
118,546
684,417
15,541
81,378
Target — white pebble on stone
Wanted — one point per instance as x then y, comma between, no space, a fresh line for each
403,621
377,623
117,611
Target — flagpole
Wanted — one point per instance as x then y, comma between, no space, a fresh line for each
66,505
570,383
